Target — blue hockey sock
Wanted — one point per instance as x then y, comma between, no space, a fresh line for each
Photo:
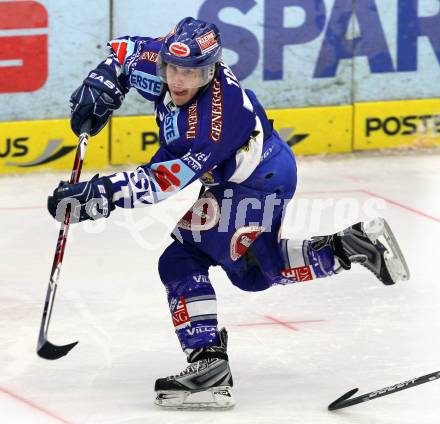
309,259
193,307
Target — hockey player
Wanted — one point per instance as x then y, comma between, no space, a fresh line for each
212,130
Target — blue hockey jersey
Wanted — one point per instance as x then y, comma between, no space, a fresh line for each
221,136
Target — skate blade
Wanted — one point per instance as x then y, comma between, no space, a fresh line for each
394,259
214,398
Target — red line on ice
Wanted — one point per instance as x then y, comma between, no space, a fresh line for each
353,179
34,406
401,205
303,193
371,194
276,321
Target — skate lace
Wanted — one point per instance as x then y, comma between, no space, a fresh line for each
190,369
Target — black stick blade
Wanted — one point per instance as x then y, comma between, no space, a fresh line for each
337,403
49,351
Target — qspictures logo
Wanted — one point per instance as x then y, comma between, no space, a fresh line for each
23,46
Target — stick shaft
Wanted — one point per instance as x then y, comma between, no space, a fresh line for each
62,240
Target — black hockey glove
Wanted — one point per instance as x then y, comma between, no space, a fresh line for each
96,99
88,200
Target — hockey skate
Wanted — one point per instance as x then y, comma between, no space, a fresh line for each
373,245
205,384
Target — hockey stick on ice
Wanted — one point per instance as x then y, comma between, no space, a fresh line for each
344,400
45,348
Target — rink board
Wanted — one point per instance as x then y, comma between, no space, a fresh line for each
309,131
411,123
134,139
315,130
291,53
29,146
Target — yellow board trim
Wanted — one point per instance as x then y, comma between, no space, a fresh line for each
391,124
317,130
29,146
134,139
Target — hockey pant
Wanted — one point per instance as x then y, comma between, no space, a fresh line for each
251,254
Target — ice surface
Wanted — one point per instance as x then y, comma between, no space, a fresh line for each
361,333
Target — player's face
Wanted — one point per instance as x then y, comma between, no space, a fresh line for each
183,83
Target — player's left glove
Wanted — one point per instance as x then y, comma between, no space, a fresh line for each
96,99
88,200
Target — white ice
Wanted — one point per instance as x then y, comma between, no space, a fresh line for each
366,335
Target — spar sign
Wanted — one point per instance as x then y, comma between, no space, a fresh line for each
24,46
347,28
292,53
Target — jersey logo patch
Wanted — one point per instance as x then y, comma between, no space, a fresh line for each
171,176
180,314
170,126
191,133
166,178
195,160
242,240
301,273
203,215
147,83
149,56
216,110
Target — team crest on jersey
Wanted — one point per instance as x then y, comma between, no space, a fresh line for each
203,215
242,240
216,110
208,179
170,176
149,56
191,133
179,49
207,42
167,179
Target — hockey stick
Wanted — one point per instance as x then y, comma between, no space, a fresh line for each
46,349
344,400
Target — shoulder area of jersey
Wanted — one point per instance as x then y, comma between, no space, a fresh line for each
226,87
228,76
136,47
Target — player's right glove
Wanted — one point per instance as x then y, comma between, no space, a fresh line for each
96,99
88,200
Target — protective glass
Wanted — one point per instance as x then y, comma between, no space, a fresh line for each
184,77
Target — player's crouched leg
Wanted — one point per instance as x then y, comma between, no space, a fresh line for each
371,244
207,381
